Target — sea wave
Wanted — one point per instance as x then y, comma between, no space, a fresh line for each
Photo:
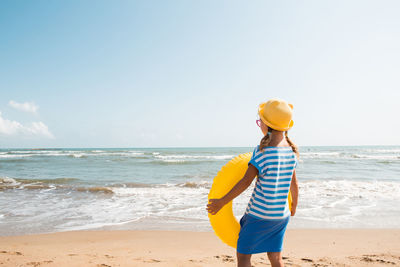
96,189
177,156
119,154
352,189
377,157
12,156
73,184
8,183
7,180
69,153
334,203
167,162
202,184
15,183
388,150
77,155
344,203
61,180
348,155
133,185
310,188
174,161
320,154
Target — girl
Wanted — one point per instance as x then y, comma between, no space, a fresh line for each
273,161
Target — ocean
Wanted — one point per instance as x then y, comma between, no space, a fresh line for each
52,190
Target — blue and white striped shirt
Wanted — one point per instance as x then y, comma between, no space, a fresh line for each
275,169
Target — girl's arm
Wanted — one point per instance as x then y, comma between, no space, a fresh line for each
294,190
216,204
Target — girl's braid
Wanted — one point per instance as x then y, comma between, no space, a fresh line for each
265,140
294,147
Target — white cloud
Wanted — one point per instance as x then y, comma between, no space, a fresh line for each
8,127
39,128
26,106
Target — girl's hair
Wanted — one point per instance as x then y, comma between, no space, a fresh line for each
294,147
267,138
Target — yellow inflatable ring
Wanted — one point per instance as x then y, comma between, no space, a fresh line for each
224,223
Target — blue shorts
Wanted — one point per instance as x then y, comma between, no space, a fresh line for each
260,235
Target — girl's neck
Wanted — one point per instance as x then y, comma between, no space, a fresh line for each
278,139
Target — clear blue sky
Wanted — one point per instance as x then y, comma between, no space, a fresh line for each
192,73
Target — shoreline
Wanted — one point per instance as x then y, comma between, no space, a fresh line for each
302,247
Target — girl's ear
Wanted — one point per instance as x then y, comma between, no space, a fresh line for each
291,106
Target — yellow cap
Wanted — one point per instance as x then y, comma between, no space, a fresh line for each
277,114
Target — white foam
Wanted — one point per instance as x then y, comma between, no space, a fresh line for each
126,154
378,157
14,156
351,155
319,154
345,203
339,203
183,157
78,155
97,151
8,181
348,188
394,150
174,160
72,153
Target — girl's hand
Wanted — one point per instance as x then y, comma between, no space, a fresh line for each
293,210
214,205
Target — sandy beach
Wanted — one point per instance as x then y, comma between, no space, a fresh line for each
302,247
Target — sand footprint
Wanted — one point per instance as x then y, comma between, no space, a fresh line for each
192,260
37,263
307,259
382,258
151,260
376,258
11,252
225,258
320,265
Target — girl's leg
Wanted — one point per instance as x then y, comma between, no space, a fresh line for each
243,260
275,258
